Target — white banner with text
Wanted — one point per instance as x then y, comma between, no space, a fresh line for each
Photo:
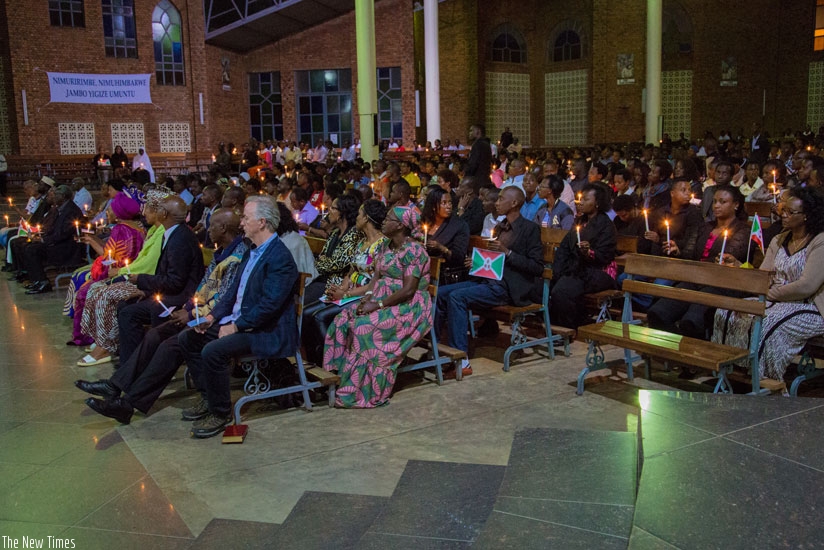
99,88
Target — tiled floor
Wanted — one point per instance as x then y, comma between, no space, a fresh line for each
65,471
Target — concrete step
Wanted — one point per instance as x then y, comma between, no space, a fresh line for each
436,505
565,489
327,521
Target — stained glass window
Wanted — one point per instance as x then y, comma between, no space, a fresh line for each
167,33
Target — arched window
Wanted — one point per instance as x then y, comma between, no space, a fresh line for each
508,45
167,33
567,46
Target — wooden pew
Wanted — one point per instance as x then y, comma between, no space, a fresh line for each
602,301
315,244
517,317
807,366
718,358
762,209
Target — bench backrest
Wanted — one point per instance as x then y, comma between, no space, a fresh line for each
752,281
315,244
435,264
627,244
763,209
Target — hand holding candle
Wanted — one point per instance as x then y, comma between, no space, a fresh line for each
723,246
666,222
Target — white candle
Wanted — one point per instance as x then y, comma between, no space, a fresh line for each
723,246
666,222
425,233
7,220
159,301
578,230
646,219
110,254
129,271
76,225
774,194
197,313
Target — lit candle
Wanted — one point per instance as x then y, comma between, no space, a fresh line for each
89,227
492,234
425,233
11,203
85,208
159,301
580,196
38,228
110,254
129,271
76,225
213,158
646,219
774,194
774,178
197,313
666,222
723,246
578,230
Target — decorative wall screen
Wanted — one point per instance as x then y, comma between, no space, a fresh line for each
566,107
815,95
77,138
676,102
507,104
128,135
175,137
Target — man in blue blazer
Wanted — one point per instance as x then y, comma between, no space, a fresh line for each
256,316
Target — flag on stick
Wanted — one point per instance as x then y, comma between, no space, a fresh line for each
758,237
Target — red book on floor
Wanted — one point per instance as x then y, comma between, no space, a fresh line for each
235,433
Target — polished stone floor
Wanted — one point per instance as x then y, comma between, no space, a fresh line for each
69,473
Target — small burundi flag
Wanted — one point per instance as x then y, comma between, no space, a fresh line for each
487,264
756,234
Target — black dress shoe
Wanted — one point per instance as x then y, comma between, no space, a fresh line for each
40,288
19,276
31,285
102,387
116,408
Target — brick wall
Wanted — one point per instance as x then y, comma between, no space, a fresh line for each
771,41
36,47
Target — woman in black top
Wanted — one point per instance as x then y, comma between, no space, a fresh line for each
447,235
587,264
119,158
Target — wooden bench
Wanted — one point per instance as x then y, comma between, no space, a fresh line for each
258,386
761,209
315,244
651,343
807,367
517,317
436,355
602,301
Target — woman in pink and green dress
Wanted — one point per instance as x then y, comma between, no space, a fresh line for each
366,344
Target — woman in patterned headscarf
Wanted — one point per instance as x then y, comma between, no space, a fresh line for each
125,242
366,344
99,319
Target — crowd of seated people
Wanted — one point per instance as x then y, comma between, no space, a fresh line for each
223,254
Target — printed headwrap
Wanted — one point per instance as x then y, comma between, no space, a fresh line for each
409,217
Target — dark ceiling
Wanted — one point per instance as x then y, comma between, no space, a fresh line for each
244,25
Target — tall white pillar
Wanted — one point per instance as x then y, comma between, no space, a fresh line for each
653,107
367,77
432,69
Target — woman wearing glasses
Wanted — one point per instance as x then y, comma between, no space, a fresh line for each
795,301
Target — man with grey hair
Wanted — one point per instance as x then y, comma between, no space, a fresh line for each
255,316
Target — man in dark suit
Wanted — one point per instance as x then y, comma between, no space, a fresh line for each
55,245
255,316
479,163
520,240
759,146
179,270
143,376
